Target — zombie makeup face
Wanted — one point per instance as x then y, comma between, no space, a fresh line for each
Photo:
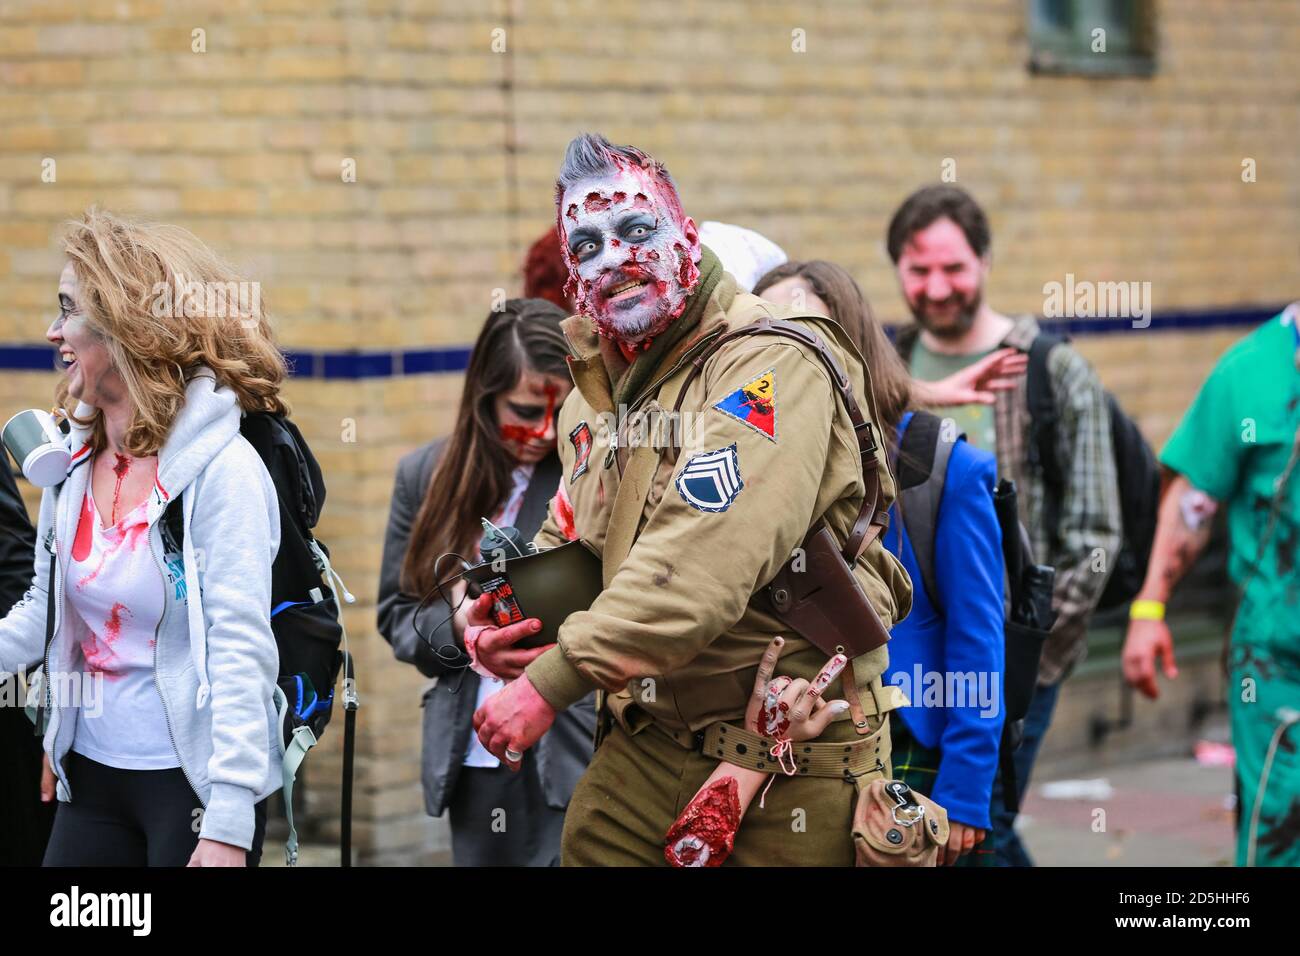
526,415
632,254
92,378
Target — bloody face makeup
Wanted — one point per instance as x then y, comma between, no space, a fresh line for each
632,254
526,415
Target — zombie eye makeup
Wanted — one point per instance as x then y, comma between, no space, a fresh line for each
637,228
526,411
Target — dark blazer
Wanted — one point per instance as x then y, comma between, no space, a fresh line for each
24,820
563,753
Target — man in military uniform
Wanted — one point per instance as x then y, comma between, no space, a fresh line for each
689,535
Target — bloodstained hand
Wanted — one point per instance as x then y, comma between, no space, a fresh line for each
514,718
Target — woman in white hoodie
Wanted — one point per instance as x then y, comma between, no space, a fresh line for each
161,730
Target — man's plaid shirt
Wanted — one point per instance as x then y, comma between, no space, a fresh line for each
1084,545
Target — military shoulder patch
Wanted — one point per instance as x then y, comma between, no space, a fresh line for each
754,403
581,438
711,480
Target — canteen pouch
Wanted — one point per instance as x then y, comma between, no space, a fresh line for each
823,602
893,825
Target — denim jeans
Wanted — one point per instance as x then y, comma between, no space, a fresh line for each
1010,851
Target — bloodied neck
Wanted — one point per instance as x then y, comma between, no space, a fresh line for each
632,253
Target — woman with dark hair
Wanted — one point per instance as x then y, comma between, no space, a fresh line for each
946,749
498,463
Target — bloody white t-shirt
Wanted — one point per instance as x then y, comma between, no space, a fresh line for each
113,583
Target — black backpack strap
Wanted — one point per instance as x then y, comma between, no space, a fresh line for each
1043,416
922,470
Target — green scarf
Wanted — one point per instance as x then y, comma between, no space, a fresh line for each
647,363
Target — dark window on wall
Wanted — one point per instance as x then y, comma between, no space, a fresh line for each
1093,37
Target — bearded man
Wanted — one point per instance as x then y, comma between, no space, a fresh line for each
690,535
940,242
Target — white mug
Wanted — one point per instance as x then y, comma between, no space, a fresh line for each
39,448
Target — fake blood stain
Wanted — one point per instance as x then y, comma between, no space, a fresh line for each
98,651
705,833
595,202
121,469
85,530
522,433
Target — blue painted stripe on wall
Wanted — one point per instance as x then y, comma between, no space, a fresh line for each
345,365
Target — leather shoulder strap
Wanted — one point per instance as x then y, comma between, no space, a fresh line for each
872,519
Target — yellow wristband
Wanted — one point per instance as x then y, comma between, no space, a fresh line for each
1147,611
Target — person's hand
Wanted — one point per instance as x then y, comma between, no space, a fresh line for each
492,649
786,709
977,384
212,853
514,718
1146,641
961,840
47,779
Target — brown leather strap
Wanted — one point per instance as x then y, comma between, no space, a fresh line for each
872,519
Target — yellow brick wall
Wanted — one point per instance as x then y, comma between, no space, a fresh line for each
456,146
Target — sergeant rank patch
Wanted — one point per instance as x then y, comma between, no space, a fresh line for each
581,438
754,403
711,480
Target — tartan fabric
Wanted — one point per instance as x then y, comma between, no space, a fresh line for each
918,767
1083,546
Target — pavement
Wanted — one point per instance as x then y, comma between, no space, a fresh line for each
1168,811
1164,812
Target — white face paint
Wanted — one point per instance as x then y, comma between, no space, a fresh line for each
632,255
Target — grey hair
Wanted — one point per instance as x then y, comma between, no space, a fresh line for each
590,154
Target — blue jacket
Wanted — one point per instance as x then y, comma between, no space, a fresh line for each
963,646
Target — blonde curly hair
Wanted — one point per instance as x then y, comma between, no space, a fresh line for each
165,304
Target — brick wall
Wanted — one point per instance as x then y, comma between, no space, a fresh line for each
455,147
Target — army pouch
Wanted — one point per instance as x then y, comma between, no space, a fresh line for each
893,825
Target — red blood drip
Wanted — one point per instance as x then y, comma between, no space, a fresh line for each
595,202
522,433
563,508
121,469
710,821
85,530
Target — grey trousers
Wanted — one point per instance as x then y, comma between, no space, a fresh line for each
500,818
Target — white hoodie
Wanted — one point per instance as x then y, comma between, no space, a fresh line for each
215,661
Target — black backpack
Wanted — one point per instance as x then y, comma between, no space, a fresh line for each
1136,470
305,618
921,473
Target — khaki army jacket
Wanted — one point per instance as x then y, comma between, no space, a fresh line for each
766,448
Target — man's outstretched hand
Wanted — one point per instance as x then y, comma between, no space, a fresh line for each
514,718
492,649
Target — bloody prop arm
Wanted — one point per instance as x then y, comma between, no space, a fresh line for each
781,709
